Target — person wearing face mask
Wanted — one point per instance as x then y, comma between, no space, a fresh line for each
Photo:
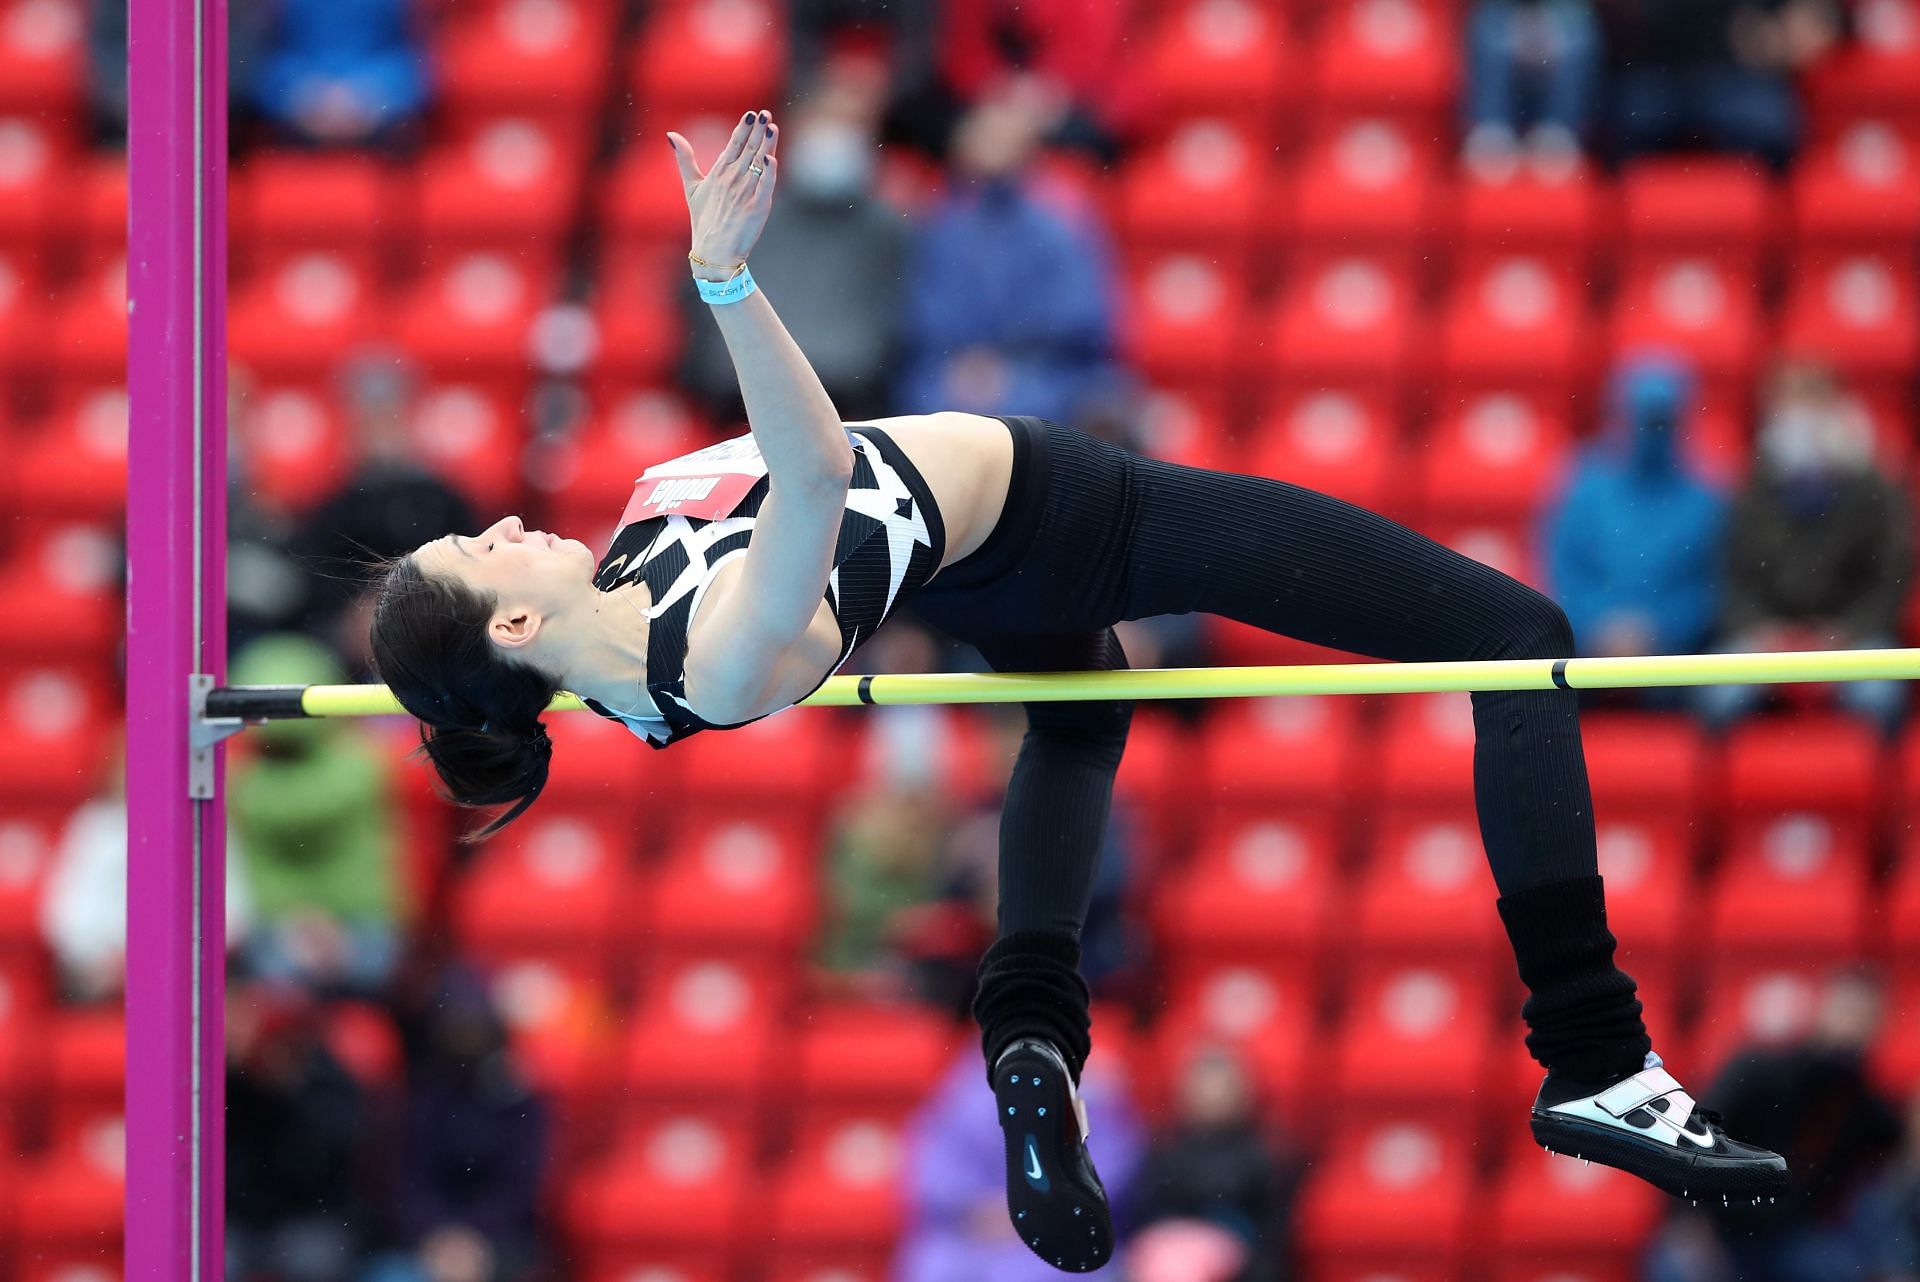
1632,543
834,251
1819,547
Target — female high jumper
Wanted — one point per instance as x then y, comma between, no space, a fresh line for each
743,576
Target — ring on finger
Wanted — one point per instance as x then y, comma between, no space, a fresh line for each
756,169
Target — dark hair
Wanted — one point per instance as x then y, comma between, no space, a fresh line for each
479,711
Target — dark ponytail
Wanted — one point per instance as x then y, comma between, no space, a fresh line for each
479,711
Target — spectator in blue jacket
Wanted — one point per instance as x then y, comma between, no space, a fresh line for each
1010,294
341,72
1633,542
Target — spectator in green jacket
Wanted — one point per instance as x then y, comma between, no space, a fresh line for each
309,806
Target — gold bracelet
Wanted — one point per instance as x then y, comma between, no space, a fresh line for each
698,261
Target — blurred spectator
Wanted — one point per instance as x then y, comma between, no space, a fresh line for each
297,1123
1814,1104
1889,1211
473,1147
390,505
832,255
1718,73
1214,1166
1632,543
1819,548
341,72
83,903
944,57
958,1229
882,862
309,805
1010,305
1533,67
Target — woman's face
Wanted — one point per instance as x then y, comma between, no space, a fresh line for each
523,570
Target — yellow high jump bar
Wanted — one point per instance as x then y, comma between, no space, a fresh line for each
252,703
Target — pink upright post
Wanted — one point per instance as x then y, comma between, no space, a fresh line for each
176,628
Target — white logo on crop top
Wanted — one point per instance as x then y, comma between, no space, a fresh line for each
671,493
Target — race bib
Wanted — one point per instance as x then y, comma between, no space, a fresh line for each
706,485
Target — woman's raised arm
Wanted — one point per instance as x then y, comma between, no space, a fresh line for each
793,419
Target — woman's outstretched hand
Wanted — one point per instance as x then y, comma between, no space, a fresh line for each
729,203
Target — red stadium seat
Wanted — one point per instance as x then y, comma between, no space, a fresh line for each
101,205
1205,190
87,1074
470,434
1297,754
1695,206
299,322
1790,890
1377,56
1411,1016
566,1038
870,1055
838,1188
548,886
708,56
1875,74
1337,442
1498,462
1392,1193
1425,892
67,577
70,1205
1645,765
59,741
87,327
22,322
589,478
1189,425
1647,863
1517,323
1860,193
32,181
1819,772
470,318
1352,323
679,1182
640,326
29,841
782,763
744,883
291,447
1223,58
289,203
544,58
1703,311
74,466
1426,753
1256,888
1367,189
1574,1214
1857,314
1750,1003
513,188
705,1031
642,201
43,57
1265,1012
1529,215
1187,320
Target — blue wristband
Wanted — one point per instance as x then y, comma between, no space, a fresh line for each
730,290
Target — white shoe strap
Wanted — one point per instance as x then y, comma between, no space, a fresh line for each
1642,1089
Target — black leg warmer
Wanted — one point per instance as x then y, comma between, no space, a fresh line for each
1030,986
1583,1017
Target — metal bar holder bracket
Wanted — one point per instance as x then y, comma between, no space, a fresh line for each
204,733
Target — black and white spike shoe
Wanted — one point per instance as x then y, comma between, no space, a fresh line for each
1647,1125
1054,1196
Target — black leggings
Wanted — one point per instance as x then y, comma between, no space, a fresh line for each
1091,535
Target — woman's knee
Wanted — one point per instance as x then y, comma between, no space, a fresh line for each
1101,723
1532,626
